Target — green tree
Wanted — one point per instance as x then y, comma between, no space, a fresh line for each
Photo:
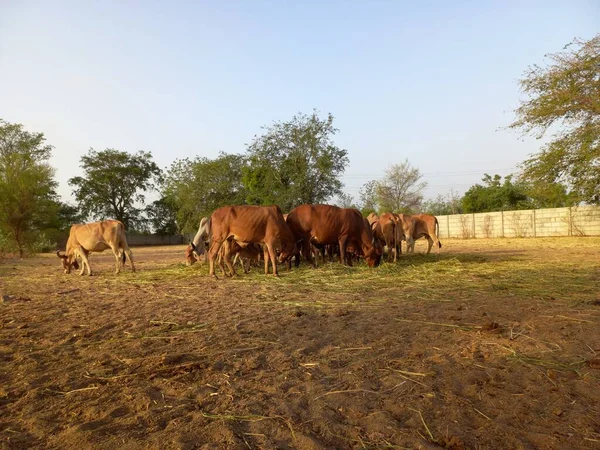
368,198
113,183
195,188
401,189
27,186
162,216
295,162
565,96
495,195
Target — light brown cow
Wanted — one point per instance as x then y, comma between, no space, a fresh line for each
384,230
418,226
251,224
329,225
95,237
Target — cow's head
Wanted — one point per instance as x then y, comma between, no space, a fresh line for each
68,261
289,249
373,255
193,253
190,257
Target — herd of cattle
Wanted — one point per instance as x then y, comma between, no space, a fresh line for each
246,232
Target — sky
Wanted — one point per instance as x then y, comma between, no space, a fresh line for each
434,82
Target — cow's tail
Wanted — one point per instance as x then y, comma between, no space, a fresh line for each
437,232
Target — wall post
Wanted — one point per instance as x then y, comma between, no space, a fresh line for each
502,218
533,220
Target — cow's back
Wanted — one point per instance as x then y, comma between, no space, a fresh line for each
97,236
322,223
248,223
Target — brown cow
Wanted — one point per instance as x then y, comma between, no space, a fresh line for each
384,230
329,225
418,226
244,253
95,237
251,224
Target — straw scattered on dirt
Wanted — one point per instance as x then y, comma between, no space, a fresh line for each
493,344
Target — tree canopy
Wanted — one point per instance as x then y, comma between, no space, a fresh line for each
27,186
295,162
565,96
196,187
113,182
401,188
495,195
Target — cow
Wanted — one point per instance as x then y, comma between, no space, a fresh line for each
418,226
95,237
330,225
244,253
384,230
251,224
199,245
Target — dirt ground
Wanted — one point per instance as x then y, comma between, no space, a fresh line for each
495,344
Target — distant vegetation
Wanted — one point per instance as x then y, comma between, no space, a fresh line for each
297,162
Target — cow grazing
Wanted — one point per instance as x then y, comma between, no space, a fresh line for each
244,253
95,237
198,246
251,224
418,226
330,225
384,230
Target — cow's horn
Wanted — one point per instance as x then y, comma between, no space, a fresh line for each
193,246
59,255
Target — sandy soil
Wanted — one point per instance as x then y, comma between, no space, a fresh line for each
494,344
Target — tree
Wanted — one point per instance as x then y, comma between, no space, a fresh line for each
344,200
195,188
113,182
162,216
565,96
27,185
401,188
368,197
444,204
295,162
495,195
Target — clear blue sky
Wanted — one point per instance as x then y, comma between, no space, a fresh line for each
434,82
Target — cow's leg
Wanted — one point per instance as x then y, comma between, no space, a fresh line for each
129,255
389,244
220,262
273,257
342,241
266,258
430,243
212,256
306,252
117,252
229,265
84,262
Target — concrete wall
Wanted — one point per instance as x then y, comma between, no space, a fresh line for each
575,221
